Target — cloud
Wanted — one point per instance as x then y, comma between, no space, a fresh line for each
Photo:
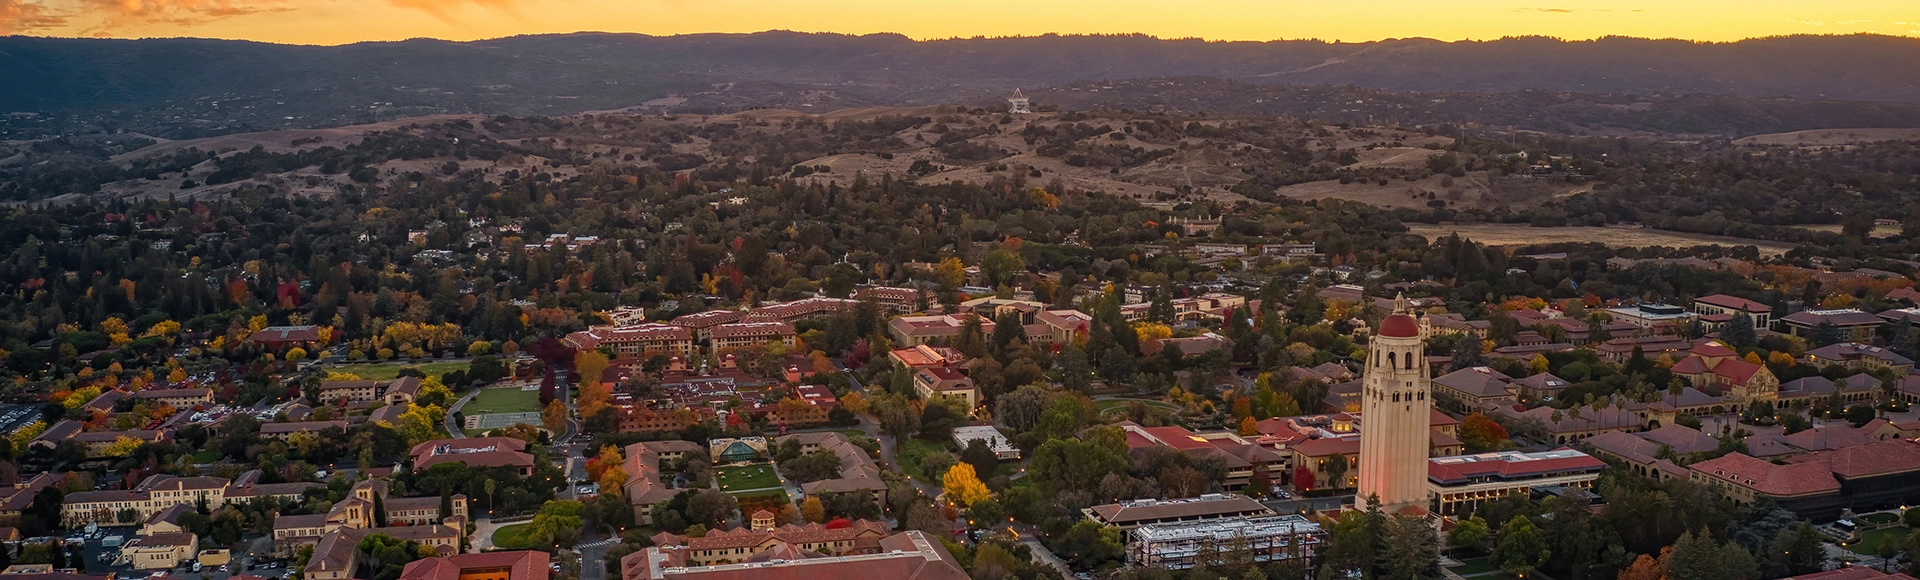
1554,10
116,14
443,9
22,16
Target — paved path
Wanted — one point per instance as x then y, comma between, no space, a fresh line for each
455,430
483,529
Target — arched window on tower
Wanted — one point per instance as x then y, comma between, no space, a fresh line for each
1391,362
1409,360
1396,397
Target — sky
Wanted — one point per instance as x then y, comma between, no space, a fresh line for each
346,21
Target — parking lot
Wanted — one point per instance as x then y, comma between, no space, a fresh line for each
100,557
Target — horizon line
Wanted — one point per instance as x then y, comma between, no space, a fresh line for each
1559,39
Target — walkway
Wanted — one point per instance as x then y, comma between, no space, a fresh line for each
456,431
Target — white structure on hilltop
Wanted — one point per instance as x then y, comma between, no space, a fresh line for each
1397,407
1017,103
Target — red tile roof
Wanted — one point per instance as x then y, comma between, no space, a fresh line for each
1793,479
1734,302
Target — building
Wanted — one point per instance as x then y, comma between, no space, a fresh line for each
1398,411
1058,327
637,342
1721,304
402,391
159,551
858,472
519,565
155,493
1852,573
945,382
176,398
1859,357
799,310
1242,458
911,331
994,439
644,487
354,392
909,555
277,338
738,544
1188,345
415,519
925,356
284,430
896,300
1472,388
1459,484
1648,316
1128,515
1711,365
750,334
1854,325
1180,546
477,453
702,323
1822,485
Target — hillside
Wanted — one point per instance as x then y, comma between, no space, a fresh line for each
189,87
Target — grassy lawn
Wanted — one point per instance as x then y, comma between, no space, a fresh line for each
1878,519
748,477
204,456
513,537
1111,404
909,453
503,400
1467,567
764,496
388,370
1869,544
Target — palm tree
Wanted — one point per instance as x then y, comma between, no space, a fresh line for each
490,485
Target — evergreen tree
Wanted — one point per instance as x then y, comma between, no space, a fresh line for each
1466,353
446,504
379,510
971,341
1739,333
1825,334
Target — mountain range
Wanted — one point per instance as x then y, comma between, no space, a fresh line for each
197,86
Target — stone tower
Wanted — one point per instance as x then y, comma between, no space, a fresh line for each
1395,414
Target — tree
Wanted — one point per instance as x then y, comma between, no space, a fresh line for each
711,507
962,485
1249,427
1738,332
557,524
1481,433
812,511
1411,549
1826,333
479,348
1470,534
555,416
588,366
1466,353
420,423
1337,471
1643,568
1521,547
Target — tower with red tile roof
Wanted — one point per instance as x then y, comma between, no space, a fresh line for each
1396,404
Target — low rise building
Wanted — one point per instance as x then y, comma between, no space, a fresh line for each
896,300
644,486
909,555
1461,483
516,565
637,342
478,453
1853,325
750,334
1128,515
1719,304
1859,357
945,382
992,437
1180,546
910,331
176,398
858,472
1648,316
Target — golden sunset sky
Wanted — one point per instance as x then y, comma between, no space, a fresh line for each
346,21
